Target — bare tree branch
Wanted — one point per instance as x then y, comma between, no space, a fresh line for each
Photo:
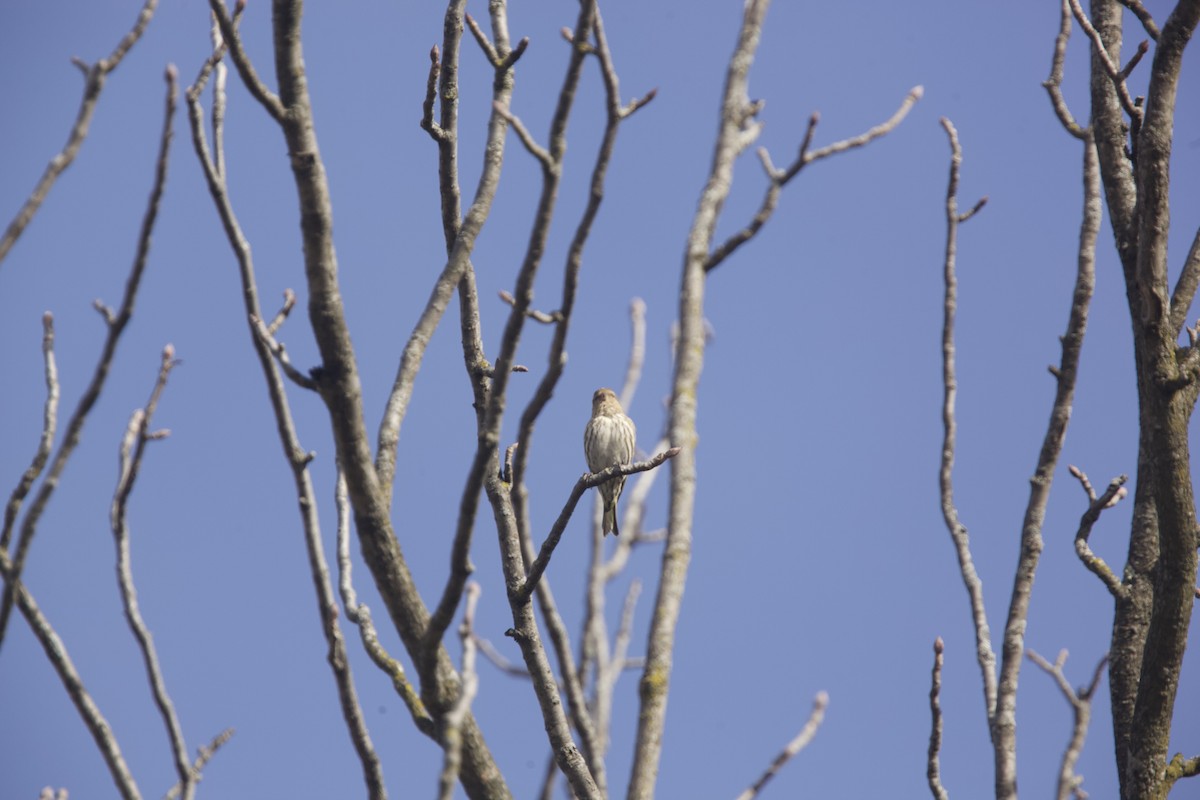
933,770
45,442
1185,287
298,459
958,532
452,720
585,482
1004,723
1143,16
1053,84
777,178
94,80
115,323
133,448
60,659
1114,72
254,84
360,615
1069,783
792,748
1115,492
204,754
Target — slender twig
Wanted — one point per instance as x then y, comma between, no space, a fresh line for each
1113,494
777,178
552,318
452,720
289,301
204,754
1053,84
492,654
60,660
1069,782
793,747
133,448
360,615
45,442
268,99
280,352
933,770
585,482
1114,72
536,150
115,323
958,532
94,80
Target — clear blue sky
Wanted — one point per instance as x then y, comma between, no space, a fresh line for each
820,561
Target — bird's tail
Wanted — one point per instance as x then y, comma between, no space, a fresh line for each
610,520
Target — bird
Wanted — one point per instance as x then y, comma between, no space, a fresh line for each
609,439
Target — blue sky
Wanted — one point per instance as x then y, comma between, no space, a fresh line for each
820,560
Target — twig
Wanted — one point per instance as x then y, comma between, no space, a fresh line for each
268,99
277,349
360,615
637,351
452,720
427,122
552,318
933,770
60,659
133,448
536,150
45,442
115,323
1114,72
1053,84
1069,783
499,661
793,747
1113,494
204,754
95,77
289,301
958,532
585,482
777,178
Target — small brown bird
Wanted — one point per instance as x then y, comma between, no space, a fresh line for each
609,439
